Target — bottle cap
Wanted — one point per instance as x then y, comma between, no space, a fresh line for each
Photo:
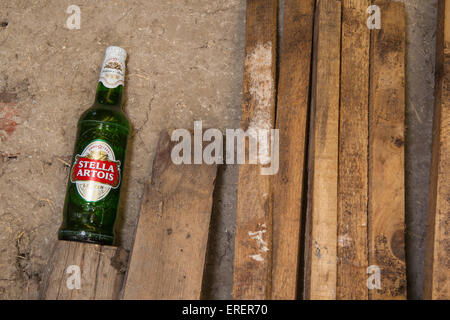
116,52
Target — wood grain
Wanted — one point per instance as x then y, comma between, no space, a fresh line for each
169,250
292,109
321,237
437,260
253,240
352,250
386,152
101,268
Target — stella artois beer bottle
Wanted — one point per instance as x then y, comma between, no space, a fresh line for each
93,190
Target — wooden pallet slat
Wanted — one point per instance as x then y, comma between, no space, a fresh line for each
352,250
437,260
386,152
169,250
321,234
253,238
82,271
292,109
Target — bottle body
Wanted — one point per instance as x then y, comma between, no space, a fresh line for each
95,180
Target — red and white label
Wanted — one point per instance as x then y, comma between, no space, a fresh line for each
95,171
106,172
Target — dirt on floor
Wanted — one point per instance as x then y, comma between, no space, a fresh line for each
185,64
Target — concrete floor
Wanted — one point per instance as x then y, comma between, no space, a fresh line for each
185,64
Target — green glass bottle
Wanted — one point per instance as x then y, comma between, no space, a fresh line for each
93,190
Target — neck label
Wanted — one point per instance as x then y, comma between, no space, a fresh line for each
113,71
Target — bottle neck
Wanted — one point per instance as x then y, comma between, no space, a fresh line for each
109,96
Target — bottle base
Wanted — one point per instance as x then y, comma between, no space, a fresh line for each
85,236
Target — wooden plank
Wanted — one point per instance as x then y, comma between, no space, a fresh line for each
386,152
437,260
321,238
81,271
352,247
292,109
252,257
169,250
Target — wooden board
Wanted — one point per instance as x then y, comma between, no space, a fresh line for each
437,261
253,240
80,271
352,247
169,250
292,109
321,237
386,152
